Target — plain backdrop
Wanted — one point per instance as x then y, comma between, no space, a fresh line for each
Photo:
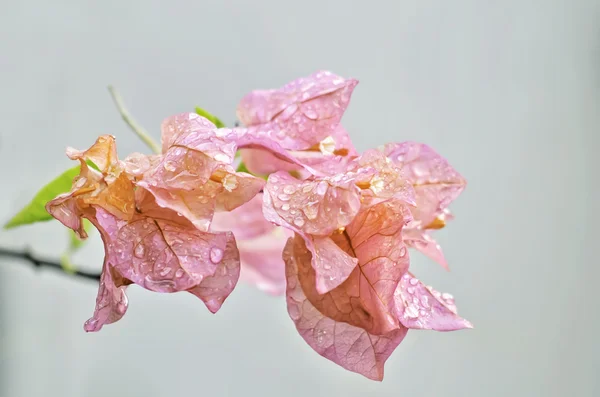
507,90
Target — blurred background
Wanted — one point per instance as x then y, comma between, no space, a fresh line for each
507,91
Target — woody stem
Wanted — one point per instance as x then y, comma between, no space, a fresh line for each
25,255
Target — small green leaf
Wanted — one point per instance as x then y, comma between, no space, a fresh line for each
242,168
35,211
212,118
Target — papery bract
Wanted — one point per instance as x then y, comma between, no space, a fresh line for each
349,346
260,244
301,113
421,307
145,244
303,117
436,184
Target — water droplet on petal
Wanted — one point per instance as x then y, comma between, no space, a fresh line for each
447,296
289,189
294,311
179,273
285,207
216,254
322,188
414,281
283,197
139,251
411,290
230,182
299,222
402,252
411,312
169,166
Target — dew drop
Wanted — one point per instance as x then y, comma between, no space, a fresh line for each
411,312
289,189
139,251
169,166
299,222
411,290
179,273
294,311
402,252
285,207
216,254
447,296
414,281
322,188
283,197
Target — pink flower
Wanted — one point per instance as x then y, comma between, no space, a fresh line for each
146,243
346,264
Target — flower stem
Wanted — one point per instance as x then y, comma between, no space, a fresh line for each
135,127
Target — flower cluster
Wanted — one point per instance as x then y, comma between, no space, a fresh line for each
308,216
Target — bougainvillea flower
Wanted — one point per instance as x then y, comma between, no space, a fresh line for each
260,244
436,184
316,207
350,346
145,244
349,257
359,323
355,324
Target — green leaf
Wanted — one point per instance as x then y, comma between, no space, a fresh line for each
35,211
212,118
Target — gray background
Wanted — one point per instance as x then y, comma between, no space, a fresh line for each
508,91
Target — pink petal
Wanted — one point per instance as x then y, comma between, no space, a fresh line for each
421,307
161,251
311,206
246,139
366,298
103,153
189,130
260,244
197,206
213,290
301,113
263,162
422,241
329,157
262,264
137,164
435,181
246,221
111,302
332,265
351,347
